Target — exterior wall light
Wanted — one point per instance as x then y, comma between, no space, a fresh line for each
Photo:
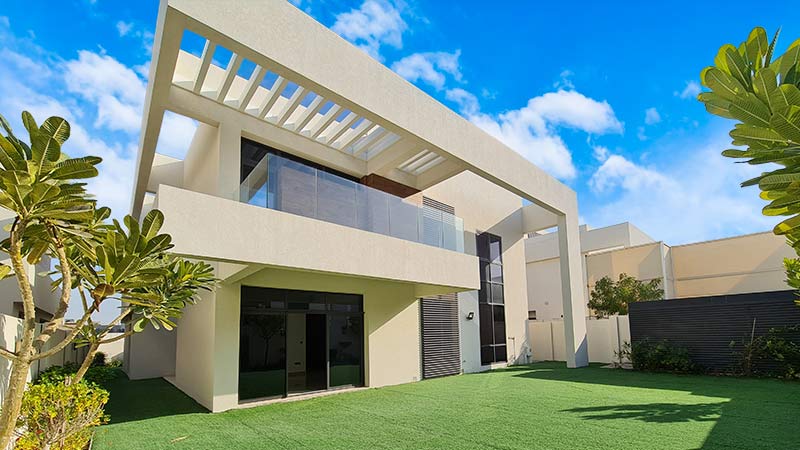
470,315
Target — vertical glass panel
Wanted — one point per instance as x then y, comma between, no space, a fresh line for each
345,349
294,186
403,219
432,226
336,200
484,295
262,356
487,354
372,210
459,234
484,268
496,273
482,245
486,323
495,250
497,293
499,324
500,353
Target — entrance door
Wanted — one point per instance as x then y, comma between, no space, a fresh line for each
305,346
299,341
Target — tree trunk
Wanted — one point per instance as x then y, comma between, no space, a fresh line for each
13,401
87,362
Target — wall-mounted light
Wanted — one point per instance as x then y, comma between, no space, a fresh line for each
470,315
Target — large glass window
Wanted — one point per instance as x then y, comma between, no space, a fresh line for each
299,341
491,299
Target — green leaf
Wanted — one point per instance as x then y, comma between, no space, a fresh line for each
750,110
56,128
787,226
758,137
721,83
152,223
771,49
737,66
139,325
44,149
721,60
788,60
5,271
715,104
764,84
787,123
770,181
71,169
30,123
756,46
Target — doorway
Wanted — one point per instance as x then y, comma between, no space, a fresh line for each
305,343
294,342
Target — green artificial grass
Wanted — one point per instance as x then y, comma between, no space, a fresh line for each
540,406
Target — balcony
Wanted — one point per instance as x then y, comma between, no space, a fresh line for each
284,185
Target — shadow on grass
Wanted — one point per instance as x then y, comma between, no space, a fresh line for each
146,399
653,412
750,413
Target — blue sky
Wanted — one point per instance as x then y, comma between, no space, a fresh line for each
599,95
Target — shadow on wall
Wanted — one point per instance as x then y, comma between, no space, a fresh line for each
744,416
10,328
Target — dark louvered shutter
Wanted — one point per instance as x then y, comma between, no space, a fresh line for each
441,354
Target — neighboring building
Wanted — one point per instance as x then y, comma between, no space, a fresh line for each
45,297
736,265
364,234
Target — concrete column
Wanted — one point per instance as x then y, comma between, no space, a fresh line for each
229,165
572,287
226,347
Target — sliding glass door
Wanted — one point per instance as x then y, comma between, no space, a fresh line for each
293,342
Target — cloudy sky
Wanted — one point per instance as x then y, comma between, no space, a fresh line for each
603,99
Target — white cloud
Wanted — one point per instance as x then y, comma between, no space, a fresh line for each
115,88
651,116
565,80
430,67
532,129
124,27
5,22
466,101
691,90
696,198
373,24
641,134
600,153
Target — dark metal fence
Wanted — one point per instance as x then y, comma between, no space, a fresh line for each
707,326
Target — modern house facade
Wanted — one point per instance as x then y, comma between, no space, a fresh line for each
363,233
736,265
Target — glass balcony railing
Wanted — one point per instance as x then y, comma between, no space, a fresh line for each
289,186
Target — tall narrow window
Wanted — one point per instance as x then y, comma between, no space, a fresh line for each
491,302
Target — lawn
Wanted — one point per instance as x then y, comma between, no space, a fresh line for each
540,406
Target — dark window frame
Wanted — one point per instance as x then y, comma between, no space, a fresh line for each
491,297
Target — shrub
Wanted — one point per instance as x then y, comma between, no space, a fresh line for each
99,359
60,416
660,356
774,354
96,374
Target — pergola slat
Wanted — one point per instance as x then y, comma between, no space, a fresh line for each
230,73
205,63
341,128
360,131
272,96
366,143
294,101
326,120
309,113
252,85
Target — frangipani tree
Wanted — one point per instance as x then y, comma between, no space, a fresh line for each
102,260
761,91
